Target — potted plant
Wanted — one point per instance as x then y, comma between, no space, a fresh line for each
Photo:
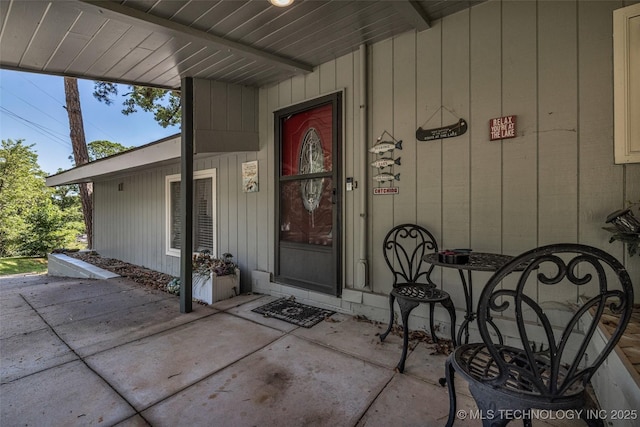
214,278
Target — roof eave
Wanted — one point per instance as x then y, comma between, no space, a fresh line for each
150,154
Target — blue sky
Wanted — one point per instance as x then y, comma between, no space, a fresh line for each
31,108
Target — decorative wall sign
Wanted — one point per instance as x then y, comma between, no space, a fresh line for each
502,128
386,190
386,147
450,131
385,162
250,177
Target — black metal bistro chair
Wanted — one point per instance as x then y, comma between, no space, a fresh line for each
543,368
403,249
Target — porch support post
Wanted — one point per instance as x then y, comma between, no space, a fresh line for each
186,197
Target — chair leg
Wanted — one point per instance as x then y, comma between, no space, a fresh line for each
391,316
434,337
448,304
449,372
405,309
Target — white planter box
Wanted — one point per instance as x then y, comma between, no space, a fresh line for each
216,288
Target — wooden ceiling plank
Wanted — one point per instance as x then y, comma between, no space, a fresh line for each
166,9
48,37
201,69
155,41
103,39
69,49
349,16
334,13
126,64
287,20
192,12
340,31
117,11
243,15
232,65
187,54
163,53
21,22
129,41
88,24
143,5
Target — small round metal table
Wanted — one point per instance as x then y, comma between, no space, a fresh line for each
478,261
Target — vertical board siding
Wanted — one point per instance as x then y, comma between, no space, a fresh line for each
404,99
429,153
520,155
548,63
456,161
456,151
486,156
557,131
382,116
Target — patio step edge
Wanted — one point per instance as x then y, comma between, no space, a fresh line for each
65,266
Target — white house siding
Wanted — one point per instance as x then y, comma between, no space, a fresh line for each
549,63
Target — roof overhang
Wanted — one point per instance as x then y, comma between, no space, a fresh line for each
155,154
157,43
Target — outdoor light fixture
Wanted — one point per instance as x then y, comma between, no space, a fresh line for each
281,3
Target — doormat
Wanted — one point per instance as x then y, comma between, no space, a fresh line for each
293,312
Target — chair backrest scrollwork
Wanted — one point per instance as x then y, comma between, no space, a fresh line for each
562,367
403,249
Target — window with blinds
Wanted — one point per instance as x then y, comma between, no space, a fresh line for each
203,213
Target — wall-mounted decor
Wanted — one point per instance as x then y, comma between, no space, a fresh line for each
450,131
502,128
386,147
250,177
385,190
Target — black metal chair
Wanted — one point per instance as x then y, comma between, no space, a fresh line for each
544,368
403,249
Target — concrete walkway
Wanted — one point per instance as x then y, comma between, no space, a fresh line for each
78,352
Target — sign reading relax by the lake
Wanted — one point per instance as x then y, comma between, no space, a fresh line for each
502,128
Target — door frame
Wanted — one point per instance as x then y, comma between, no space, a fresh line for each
335,99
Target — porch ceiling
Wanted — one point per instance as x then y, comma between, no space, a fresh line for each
156,42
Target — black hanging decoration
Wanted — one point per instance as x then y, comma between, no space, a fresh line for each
450,131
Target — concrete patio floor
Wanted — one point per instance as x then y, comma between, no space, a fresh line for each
76,352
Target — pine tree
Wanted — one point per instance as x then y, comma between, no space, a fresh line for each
80,152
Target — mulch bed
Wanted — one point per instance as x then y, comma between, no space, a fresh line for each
141,275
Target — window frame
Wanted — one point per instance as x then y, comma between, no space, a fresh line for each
626,84
169,179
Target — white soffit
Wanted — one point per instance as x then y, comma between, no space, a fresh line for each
147,155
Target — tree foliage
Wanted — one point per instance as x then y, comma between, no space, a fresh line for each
164,104
31,222
101,149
